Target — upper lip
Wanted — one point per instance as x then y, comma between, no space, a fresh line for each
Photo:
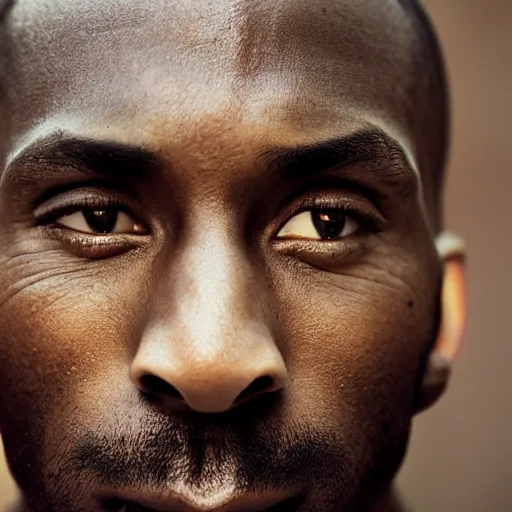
257,502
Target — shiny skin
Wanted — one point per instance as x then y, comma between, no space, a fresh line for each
207,299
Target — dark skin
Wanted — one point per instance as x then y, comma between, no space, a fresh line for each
219,282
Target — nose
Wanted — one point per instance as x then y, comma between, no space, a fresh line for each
213,385
209,381
211,350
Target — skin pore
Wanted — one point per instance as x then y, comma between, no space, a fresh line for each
219,283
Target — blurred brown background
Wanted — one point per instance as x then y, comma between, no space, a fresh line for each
460,457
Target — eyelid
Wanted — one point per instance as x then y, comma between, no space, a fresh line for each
77,200
354,204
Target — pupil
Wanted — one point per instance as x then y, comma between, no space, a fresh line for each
328,223
101,221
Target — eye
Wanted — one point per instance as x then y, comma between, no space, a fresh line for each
319,224
100,222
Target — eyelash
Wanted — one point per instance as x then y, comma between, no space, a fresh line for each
347,201
370,222
50,215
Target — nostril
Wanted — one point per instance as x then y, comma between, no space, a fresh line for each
154,384
257,386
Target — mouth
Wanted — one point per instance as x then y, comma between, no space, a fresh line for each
242,504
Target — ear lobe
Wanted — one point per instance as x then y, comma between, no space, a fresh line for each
453,319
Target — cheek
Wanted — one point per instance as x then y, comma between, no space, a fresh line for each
353,349
59,333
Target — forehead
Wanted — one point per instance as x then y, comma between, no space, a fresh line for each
309,68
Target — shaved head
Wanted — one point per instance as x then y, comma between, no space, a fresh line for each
430,108
219,284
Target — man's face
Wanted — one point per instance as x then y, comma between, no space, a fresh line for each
217,282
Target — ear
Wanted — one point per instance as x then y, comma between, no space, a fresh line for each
453,319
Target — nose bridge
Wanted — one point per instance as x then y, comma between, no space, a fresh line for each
214,282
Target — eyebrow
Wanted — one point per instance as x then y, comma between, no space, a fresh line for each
82,156
371,146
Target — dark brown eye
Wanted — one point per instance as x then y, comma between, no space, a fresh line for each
319,224
100,222
330,223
